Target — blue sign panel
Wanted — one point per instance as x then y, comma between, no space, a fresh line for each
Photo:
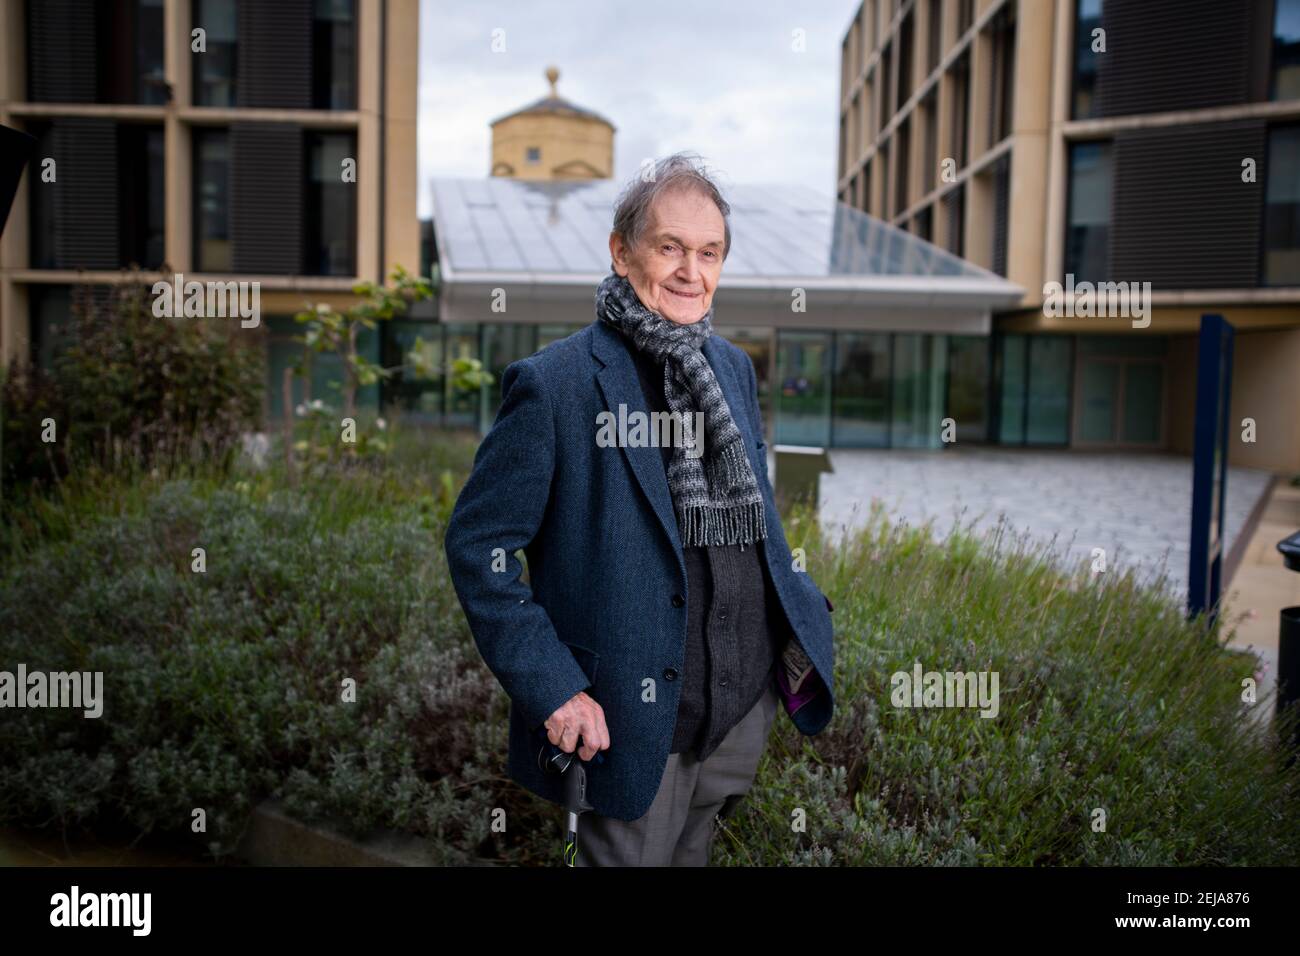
1210,465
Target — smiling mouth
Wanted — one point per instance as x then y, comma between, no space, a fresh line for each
686,295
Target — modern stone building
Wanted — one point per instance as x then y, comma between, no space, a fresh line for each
221,163
857,330
1087,141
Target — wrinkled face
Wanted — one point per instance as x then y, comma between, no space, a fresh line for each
675,267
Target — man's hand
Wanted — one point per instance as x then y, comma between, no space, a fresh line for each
580,716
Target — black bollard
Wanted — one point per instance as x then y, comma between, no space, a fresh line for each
1288,649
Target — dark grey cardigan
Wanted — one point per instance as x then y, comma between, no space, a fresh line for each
735,625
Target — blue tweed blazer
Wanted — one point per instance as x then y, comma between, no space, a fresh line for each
605,612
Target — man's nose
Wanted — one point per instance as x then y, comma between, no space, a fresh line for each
689,271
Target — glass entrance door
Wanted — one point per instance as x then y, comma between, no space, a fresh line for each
1120,402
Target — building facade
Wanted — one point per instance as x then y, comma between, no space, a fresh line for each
1080,142
210,138
860,333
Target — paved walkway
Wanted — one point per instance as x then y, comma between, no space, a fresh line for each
1263,585
1135,506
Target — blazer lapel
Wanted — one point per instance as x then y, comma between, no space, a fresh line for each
620,385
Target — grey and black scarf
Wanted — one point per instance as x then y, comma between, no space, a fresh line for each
716,497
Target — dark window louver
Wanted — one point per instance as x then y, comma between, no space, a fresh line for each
1164,55
275,54
1182,217
1001,218
953,210
266,187
85,206
62,60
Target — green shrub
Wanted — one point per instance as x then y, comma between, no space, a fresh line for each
131,385
223,688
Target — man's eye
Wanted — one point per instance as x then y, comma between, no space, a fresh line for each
668,248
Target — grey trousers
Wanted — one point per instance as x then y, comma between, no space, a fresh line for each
677,830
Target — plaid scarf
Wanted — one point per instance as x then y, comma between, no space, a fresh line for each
716,497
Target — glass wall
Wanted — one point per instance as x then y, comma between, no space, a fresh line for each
324,377
803,404
860,405
845,389
1012,377
919,372
1034,385
757,344
968,386
1047,408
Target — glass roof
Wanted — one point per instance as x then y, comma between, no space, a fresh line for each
500,225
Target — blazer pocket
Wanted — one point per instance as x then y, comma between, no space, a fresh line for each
587,659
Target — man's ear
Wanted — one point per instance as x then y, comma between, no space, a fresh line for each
617,255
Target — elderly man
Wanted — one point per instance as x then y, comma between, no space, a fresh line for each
665,622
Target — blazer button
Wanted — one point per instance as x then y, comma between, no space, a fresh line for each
678,600
670,673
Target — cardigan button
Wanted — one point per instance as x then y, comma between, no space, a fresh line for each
670,673
678,600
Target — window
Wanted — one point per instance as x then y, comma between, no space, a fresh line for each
960,109
1004,71
334,55
935,45
140,194
885,72
1282,208
965,15
329,208
860,405
1086,63
150,82
1087,239
968,378
214,69
1286,51
905,41
954,207
105,209
114,55
902,162
930,142
212,248
924,223
534,155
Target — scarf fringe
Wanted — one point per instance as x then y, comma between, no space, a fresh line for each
738,524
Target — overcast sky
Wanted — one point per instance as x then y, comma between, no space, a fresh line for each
719,77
